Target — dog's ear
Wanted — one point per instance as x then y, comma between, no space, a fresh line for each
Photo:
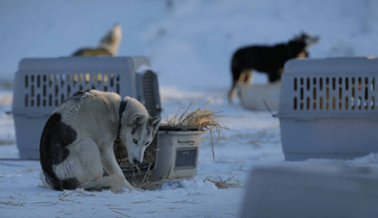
136,120
155,121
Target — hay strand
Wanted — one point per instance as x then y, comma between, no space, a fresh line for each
224,184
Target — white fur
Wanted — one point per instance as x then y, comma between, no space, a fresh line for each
112,40
95,119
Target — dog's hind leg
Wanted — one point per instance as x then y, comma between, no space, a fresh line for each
244,79
83,163
248,77
231,92
90,168
275,75
87,167
236,71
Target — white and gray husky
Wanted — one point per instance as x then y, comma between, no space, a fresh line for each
77,140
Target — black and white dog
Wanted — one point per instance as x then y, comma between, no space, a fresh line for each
267,59
77,141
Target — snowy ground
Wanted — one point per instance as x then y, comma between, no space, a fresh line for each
190,43
256,141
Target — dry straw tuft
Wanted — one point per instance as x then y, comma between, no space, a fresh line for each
205,119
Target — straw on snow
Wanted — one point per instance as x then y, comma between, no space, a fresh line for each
224,184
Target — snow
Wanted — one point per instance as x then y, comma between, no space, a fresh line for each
190,43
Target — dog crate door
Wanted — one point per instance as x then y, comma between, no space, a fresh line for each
329,108
148,92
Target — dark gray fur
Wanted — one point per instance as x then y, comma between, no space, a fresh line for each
55,137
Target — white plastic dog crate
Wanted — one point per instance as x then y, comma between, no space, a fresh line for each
42,84
329,108
308,190
177,154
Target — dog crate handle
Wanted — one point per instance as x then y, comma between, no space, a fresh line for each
186,142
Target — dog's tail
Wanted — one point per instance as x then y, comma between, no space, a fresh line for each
43,179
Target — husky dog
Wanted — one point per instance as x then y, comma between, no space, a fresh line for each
77,140
108,45
267,59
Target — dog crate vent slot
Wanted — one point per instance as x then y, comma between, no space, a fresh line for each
186,158
340,93
55,88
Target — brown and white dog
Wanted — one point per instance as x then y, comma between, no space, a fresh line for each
109,44
77,141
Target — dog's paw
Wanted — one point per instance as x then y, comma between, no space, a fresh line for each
137,190
128,186
122,191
